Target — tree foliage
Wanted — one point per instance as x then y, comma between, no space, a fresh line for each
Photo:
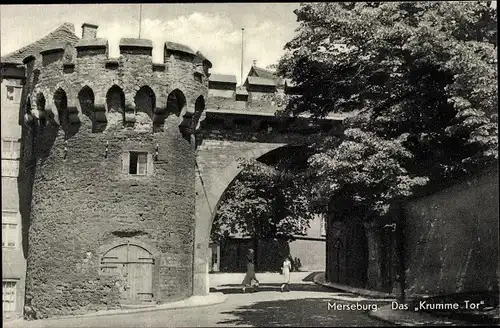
422,77
263,202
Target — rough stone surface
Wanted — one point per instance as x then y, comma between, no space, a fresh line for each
452,238
84,198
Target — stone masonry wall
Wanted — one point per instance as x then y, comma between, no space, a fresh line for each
451,238
83,199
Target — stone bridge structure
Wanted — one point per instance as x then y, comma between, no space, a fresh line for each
222,139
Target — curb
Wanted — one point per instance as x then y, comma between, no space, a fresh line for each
357,291
191,302
377,316
405,318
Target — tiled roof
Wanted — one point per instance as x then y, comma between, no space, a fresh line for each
264,73
65,32
178,47
253,80
222,78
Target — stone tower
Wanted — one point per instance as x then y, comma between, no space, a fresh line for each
112,174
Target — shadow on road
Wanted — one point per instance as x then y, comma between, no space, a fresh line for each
307,312
310,276
237,288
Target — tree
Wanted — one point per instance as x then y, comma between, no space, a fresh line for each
272,67
264,202
421,76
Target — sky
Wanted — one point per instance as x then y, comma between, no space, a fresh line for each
212,28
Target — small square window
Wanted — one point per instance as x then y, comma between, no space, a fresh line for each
9,295
11,149
9,235
138,163
13,94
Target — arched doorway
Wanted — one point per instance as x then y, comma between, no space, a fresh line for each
133,265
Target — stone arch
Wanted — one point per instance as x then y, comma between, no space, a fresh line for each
177,105
86,99
151,257
60,100
41,103
115,104
69,88
61,103
199,107
207,201
121,241
115,99
28,115
176,102
145,104
180,87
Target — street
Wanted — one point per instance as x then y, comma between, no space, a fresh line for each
306,306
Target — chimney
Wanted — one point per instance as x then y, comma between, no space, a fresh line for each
254,62
89,31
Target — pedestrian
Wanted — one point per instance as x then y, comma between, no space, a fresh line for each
250,275
287,267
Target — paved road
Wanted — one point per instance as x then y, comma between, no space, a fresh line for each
266,308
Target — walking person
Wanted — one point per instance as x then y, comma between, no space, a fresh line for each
250,275
287,267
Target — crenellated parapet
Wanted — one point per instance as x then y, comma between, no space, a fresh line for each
80,82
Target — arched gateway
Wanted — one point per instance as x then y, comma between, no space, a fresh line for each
223,139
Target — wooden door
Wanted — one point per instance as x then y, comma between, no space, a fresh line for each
140,274
387,262
134,267
339,261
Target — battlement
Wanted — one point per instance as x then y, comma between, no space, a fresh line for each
238,122
91,47
97,50
136,47
68,55
72,82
